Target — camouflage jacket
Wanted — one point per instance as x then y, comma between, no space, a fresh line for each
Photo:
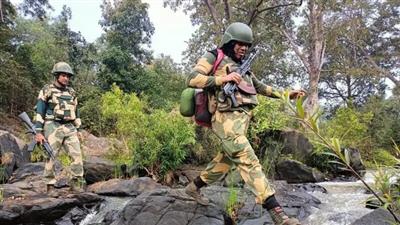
200,77
57,104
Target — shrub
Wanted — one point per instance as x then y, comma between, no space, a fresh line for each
350,127
383,157
154,140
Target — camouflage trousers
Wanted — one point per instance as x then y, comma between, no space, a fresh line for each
63,136
231,128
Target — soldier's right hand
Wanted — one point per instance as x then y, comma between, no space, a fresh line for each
39,138
235,77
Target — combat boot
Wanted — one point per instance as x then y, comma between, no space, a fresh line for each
193,191
280,218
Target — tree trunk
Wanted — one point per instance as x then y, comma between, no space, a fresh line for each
316,54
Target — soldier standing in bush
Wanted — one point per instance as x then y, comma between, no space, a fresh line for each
230,123
57,120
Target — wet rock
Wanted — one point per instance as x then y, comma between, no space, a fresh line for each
377,217
168,207
355,162
173,206
120,187
296,172
41,208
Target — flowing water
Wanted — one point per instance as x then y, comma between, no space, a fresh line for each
110,204
343,203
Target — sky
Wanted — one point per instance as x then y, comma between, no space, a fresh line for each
172,29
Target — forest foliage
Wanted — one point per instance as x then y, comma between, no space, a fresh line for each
344,53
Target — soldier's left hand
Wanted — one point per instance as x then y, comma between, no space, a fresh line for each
296,94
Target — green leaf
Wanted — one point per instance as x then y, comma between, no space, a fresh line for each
300,108
331,154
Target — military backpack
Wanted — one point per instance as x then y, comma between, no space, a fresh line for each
194,101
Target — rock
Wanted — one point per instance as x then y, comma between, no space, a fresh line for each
73,217
168,207
355,162
119,187
377,217
28,170
173,206
11,154
97,169
296,144
41,209
296,172
94,146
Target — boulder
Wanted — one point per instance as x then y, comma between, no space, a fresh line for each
120,187
377,217
11,155
296,172
296,144
41,209
98,169
94,146
173,206
168,207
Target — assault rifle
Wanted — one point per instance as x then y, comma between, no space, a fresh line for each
48,149
230,88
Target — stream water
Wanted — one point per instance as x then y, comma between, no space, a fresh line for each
110,204
342,205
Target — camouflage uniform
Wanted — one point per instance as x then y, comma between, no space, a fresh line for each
57,115
230,125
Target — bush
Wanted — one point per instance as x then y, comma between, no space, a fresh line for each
350,127
90,112
267,116
156,141
383,157
206,147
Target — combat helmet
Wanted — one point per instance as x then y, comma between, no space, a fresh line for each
62,67
238,32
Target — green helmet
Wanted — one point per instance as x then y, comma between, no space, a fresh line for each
238,32
62,67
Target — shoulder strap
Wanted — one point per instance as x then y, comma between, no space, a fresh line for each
220,57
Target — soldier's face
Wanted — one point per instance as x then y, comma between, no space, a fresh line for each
63,79
240,49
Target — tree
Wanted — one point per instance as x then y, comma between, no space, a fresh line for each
310,47
127,28
15,83
164,83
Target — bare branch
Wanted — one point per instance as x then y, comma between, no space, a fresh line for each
256,12
296,49
213,12
228,12
282,5
385,72
253,14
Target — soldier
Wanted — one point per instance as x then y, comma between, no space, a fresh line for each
57,120
230,123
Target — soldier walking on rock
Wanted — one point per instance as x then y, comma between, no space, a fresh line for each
230,123
58,122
